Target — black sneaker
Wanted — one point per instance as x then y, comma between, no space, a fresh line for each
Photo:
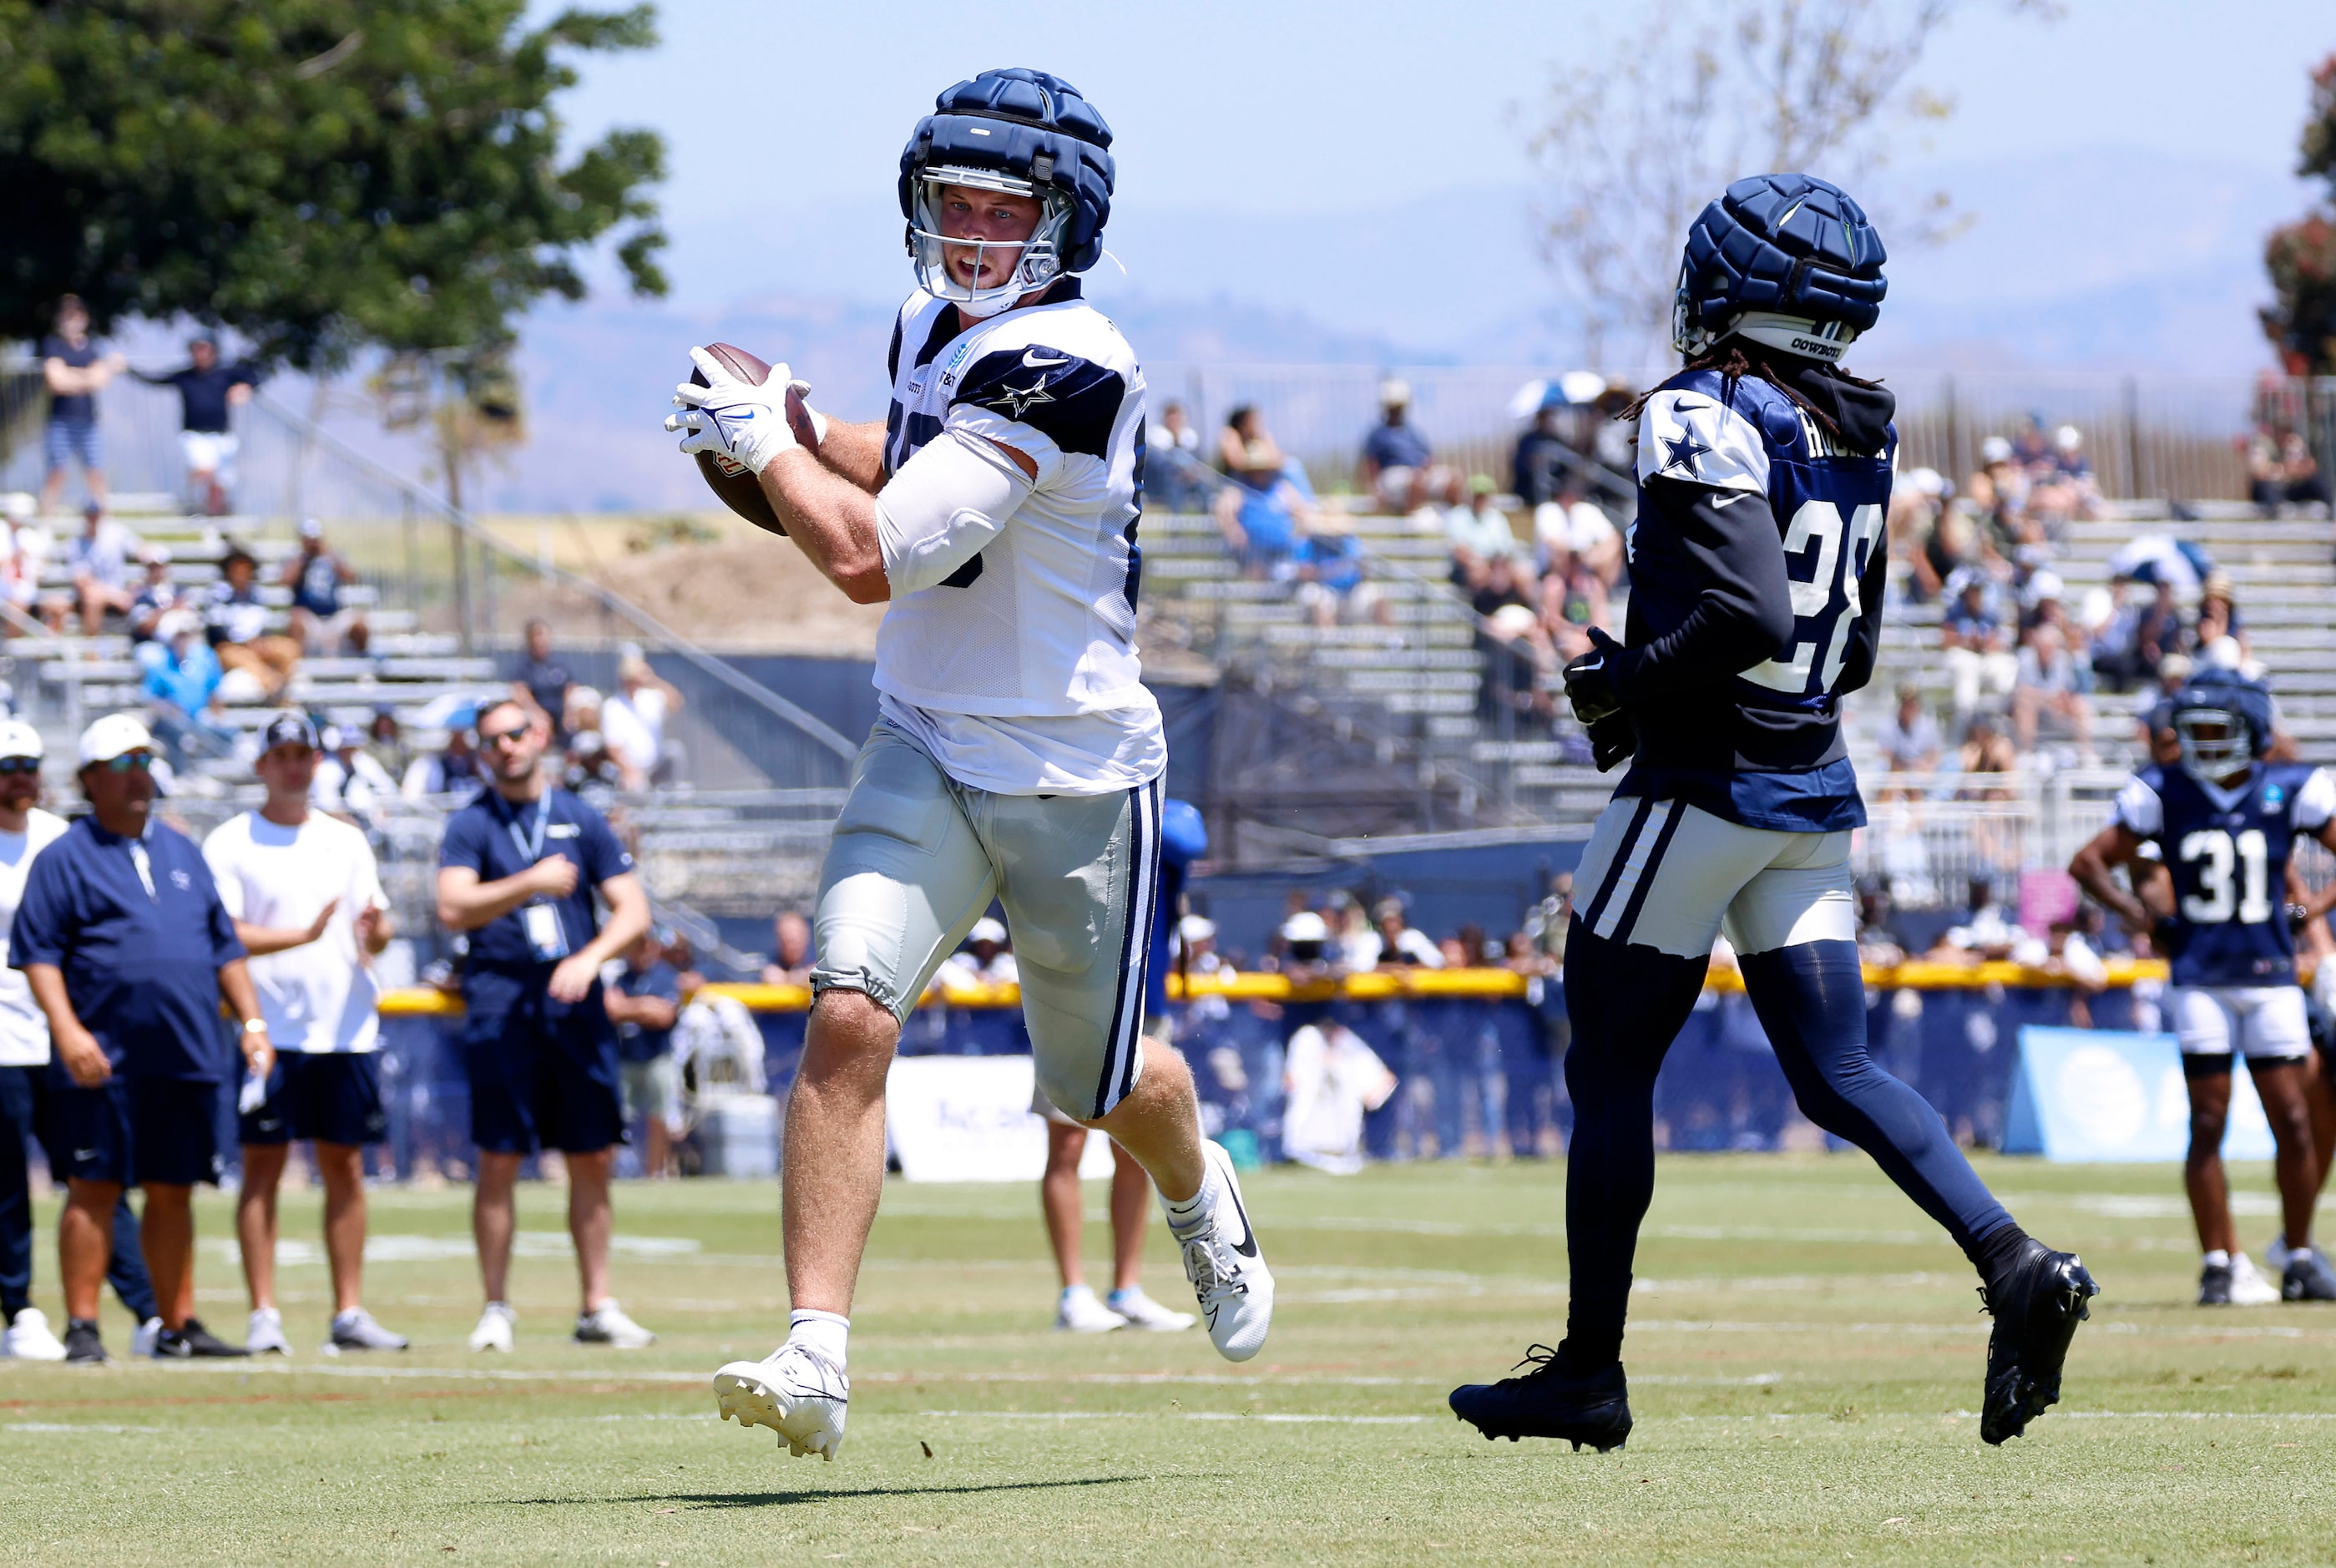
2037,1304
2214,1285
84,1345
1547,1402
2307,1278
193,1341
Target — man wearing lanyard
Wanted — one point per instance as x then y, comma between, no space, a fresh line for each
517,873
128,950
26,831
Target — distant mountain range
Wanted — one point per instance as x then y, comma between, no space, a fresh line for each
2112,260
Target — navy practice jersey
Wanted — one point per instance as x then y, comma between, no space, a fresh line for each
1757,568
2228,851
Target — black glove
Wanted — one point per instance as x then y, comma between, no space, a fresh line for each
1612,740
1589,682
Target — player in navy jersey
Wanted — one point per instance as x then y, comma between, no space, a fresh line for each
1756,566
2223,820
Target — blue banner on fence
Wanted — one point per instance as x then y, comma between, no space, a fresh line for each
2087,1095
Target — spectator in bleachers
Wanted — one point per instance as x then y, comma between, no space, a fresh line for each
74,372
1950,546
1401,944
2219,615
1986,935
2062,484
235,621
2280,470
986,958
1267,504
2134,643
1572,535
1543,459
1978,658
1999,491
2032,449
350,783
1479,533
24,547
1175,477
99,558
209,390
1916,507
1331,587
2063,953
2051,685
321,621
1985,751
1396,465
156,597
790,955
182,680
539,682
446,771
385,743
633,721
1911,741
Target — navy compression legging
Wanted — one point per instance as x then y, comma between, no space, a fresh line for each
1627,1004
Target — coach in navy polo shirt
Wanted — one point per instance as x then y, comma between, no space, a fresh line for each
517,872
128,950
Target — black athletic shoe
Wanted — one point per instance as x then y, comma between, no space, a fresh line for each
2214,1285
193,1342
2307,1278
1548,1403
83,1344
2037,1304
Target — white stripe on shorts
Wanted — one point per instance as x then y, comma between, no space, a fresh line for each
1634,866
1121,1055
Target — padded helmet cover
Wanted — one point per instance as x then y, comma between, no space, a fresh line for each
1031,126
1789,244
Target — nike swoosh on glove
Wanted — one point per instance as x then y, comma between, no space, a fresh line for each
733,418
1590,681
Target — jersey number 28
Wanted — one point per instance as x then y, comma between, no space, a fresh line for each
1832,584
2216,898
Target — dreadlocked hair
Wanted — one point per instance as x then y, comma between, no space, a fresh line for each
1736,359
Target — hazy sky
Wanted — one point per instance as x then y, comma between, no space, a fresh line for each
1314,107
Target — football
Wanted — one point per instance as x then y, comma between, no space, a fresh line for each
740,491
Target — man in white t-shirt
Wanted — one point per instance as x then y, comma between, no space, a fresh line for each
24,831
633,720
306,898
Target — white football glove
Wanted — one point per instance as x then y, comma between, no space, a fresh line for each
801,389
730,418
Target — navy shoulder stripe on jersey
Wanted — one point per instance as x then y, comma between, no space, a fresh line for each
892,354
946,326
1070,399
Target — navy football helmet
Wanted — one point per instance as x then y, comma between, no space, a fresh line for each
1026,134
2224,726
1786,259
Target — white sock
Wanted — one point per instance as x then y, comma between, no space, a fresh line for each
1190,1215
825,1332
2217,1258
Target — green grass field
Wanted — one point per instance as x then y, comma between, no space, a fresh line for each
1805,1370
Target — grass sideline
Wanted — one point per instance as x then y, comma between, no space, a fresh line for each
1806,1367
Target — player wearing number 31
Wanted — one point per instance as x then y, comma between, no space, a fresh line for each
1756,566
2224,822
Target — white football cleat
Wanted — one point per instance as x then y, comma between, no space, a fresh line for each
266,1333
355,1330
2248,1288
796,1391
1078,1312
607,1324
142,1341
1141,1312
494,1330
28,1338
1227,1272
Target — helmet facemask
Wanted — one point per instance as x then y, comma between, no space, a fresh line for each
2216,748
1032,264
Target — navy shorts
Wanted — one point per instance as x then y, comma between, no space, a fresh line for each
330,1096
135,1131
544,1073
71,440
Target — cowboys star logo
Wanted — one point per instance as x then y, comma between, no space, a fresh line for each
1013,402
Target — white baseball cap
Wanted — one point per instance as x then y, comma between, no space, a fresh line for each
18,738
1305,926
115,734
311,529
1196,927
986,929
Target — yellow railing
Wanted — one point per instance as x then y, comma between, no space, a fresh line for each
1377,985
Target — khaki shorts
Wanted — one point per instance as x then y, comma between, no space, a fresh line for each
917,858
653,1088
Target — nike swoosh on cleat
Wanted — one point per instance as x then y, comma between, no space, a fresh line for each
1030,364
1247,1245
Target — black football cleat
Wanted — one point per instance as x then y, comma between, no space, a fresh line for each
192,1341
2214,1285
83,1345
2307,1278
1549,1403
2037,1304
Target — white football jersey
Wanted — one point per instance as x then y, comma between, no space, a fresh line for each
1019,669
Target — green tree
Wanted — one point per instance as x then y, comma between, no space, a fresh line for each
322,176
2301,256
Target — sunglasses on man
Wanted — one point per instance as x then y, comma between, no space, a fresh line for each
128,761
31,765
